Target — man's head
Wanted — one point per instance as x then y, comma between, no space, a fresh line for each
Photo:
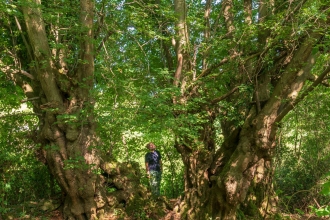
151,146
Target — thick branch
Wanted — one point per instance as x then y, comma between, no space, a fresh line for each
248,11
39,43
292,104
18,80
23,72
207,31
86,68
182,41
324,83
228,15
226,150
264,6
293,77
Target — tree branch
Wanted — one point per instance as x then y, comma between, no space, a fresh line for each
23,72
182,46
291,105
9,71
182,148
228,15
109,33
313,78
248,11
24,39
293,12
216,100
100,22
38,40
216,65
207,31
29,99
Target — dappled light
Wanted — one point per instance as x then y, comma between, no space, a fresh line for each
164,110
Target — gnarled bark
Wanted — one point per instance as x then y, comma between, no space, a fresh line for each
65,108
219,181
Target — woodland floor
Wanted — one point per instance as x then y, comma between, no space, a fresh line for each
56,215
23,212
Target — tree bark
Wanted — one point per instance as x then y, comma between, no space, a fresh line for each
67,127
219,181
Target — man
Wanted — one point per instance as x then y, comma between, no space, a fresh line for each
154,168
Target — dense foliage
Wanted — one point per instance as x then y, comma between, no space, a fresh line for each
236,55
303,155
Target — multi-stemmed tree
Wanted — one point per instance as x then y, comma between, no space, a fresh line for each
240,67
231,70
50,55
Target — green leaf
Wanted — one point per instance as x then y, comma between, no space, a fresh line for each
326,189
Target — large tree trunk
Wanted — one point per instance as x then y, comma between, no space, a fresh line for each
65,109
261,200
62,99
219,182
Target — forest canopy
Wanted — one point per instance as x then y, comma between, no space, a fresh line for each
232,92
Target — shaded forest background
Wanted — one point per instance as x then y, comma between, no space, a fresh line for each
301,161
230,69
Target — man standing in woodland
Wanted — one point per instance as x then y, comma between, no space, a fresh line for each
154,168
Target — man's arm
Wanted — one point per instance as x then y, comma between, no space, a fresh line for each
147,169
